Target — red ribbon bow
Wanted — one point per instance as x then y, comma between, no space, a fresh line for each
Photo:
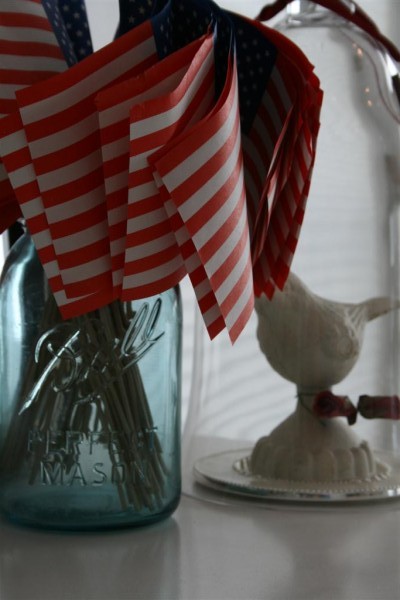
328,406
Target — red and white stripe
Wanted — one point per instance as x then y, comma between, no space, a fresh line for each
130,176
153,259
174,82
261,149
29,52
279,154
206,299
285,218
60,120
17,159
204,178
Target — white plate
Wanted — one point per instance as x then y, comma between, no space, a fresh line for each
228,472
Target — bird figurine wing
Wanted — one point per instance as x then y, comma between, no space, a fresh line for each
312,341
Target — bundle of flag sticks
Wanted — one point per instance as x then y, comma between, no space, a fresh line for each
185,146
80,395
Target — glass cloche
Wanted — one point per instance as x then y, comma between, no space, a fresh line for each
305,405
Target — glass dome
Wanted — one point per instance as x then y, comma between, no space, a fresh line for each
348,254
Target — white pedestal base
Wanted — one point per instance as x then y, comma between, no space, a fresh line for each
304,459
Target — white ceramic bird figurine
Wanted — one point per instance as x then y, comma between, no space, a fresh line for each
312,341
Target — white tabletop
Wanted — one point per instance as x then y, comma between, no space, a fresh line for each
208,551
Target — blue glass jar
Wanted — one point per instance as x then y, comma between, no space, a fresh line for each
90,407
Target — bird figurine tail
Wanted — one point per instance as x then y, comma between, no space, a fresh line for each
375,307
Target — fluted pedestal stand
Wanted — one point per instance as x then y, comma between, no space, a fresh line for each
305,448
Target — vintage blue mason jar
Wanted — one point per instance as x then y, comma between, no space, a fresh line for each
89,407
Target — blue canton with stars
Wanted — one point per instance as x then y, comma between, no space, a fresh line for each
256,57
179,22
69,21
132,13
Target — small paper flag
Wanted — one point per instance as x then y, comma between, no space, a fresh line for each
36,41
176,89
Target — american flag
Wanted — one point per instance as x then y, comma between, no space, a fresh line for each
204,178
37,40
34,45
131,130
276,88
167,152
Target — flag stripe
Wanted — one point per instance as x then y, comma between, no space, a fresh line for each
13,143
190,97
139,164
72,168
29,53
184,173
